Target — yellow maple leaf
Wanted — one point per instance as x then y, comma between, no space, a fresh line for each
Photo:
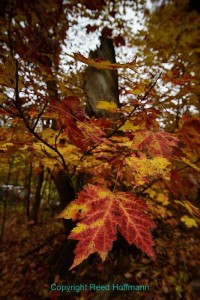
107,105
138,89
130,126
8,74
145,169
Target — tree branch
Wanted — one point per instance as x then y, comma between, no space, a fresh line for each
26,123
40,114
133,110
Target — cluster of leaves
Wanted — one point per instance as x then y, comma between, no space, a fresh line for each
120,160
139,157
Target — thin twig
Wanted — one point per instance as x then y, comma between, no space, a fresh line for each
133,110
26,123
17,84
40,114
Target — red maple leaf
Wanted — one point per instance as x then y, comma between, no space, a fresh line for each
158,143
75,135
71,106
189,132
101,213
96,134
69,113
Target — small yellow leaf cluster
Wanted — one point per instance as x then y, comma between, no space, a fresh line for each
145,169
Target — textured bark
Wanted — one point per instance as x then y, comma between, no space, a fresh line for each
101,84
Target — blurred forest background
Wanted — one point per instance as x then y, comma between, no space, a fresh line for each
40,73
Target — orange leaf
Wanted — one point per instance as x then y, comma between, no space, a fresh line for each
102,213
190,132
76,136
102,64
158,143
93,132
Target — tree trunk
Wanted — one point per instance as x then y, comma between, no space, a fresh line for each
101,84
28,193
37,200
5,201
66,194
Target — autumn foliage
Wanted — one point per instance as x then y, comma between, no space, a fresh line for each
101,214
131,171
